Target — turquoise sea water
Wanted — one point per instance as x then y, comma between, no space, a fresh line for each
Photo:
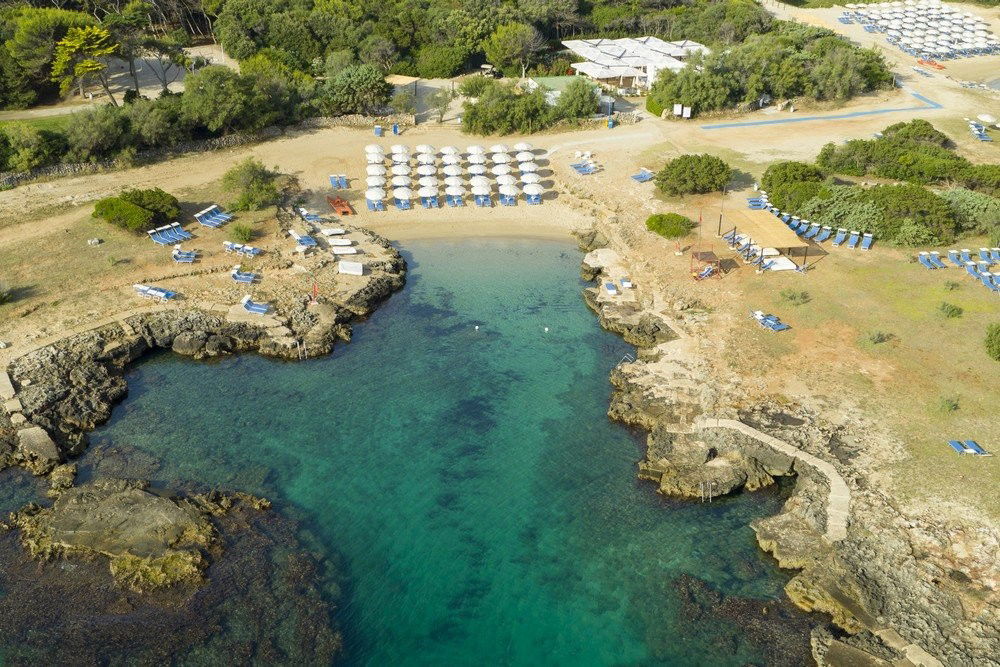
479,505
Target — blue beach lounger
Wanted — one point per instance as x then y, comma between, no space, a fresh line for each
935,258
839,238
255,308
181,231
371,204
852,241
334,181
729,237
972,269
612,290
705,273
866,241
924,259
957,446
154,235
974,446
243,277
966,258
824,235
644,176
956,260
343,182
813,231
984,254
995,254
785,217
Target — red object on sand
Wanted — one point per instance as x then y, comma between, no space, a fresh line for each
339,205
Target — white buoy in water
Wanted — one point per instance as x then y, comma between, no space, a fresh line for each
546,329
477,327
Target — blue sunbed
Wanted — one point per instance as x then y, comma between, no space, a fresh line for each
785,217
643,176
953,256
866,241
852,241
813,231
936,260
245,278
839,238
334,181
824,235
966,258
995,254
924,259
255,308
972,269
705,273
957,446
729,237
154,235
766,265
974,446
343,182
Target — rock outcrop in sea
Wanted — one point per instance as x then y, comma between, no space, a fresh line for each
897,588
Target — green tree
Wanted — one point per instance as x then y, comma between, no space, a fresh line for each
337,61
167,51
378,51
215,97
158,122
82,55
513,46
992,342
163,206
36,32
96,134
403,101
440,62
128,30
242,25
439,101
358,89
124,214
253,183
780,173
693,174
31,147
974,211
578,100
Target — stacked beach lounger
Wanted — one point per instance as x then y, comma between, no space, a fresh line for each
168,234
213,216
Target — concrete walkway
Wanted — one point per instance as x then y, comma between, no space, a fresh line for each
839,501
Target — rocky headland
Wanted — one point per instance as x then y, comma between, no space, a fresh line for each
897,588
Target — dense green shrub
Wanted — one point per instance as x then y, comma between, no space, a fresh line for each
993,341
502,108
164,207
123,214
974,211
780,173
693,174
950,310
653,106
254,185
440,62
578,100
96,134
240,232
669,225
795,297
30,147
358,89
982,177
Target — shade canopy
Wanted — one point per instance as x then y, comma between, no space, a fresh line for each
427,192
475,150
374,148
449,150
426,158
452,170
480,181
400,158
501,158
527,167
532,189
506,179
426,170
425,148
476,169
508,190
453,180
400,169
498,148
428,181
480,190
501,169
477,158
375,194
522,146
374,158
454,191
375,181
451,159
401,181
402,193
530,178
375,170
524,156
399,148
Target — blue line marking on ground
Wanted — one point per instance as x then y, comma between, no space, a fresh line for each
856,114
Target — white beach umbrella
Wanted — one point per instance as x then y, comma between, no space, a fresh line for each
480,181
425,148
527,167
498,148
477,169
452,170
530,178
426,158
399,148
475,150
477,158
402,193
522,146
400,170
427,192
453,180
451,159
428,182
426,170
501,169
532,189
480,190
374,158
508,190
506,179
449,150
374,194
524,156
454,191
401,181
500,158
375,181
375,170
374,148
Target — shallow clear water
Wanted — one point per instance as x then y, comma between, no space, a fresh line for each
468,483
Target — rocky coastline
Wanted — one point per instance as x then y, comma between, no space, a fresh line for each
896,589
158,546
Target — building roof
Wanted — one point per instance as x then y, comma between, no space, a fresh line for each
640,54
763,227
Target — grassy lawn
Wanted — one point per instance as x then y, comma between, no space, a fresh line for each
53,123
930,382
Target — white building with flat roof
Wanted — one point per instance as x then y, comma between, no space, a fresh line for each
630,62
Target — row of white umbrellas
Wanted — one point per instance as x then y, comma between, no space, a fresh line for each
449,170
509,190
376,149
